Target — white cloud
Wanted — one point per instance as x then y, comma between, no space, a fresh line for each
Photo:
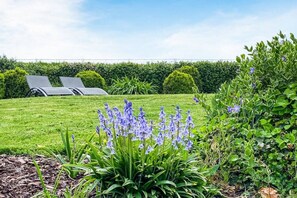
57,29
224,36
47,29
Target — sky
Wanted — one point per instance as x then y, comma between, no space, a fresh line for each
140,29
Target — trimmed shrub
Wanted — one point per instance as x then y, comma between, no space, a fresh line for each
92,79
179,83
131,86
2,86
15,83
194,73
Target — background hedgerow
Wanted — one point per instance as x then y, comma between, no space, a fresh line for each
15,83
212,74
91,79
252,122
2,86
179,83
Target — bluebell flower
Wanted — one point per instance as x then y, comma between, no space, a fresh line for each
189,120
189,145
160,139
196,99
177,115
284,59
98,130
72,136
109,144
252,70
235,109
172,127
148,150
140,146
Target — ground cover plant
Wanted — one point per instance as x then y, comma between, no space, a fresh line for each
27,123
252,122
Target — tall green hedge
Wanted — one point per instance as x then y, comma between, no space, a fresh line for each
212,74
2,86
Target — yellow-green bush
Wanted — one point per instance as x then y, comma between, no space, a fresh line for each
15,83
179,83
194,73
2,86
92,79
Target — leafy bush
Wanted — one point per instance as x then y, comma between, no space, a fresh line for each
252,130
2,86
92,79
178,82
194,73
15,83
131,86
130,160
6,64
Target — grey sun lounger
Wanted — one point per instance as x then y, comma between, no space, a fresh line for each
40,85
77,86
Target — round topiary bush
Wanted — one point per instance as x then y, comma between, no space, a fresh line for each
179,83
92,79
2,86
15,83
193,71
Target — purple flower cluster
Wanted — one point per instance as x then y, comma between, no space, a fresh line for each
252,70
235,109
118,124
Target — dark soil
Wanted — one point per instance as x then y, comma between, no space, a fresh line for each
18,176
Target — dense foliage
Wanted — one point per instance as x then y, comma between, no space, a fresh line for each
126,86
6,64
193,71
91,79
15,83
213,74
2,86
252,128
179,83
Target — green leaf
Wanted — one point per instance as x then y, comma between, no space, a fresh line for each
290,93
165,182
233,158
281,102
111,188
127,182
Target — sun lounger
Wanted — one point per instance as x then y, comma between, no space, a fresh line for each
40,85
77,86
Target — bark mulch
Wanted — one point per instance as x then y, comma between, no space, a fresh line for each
18,176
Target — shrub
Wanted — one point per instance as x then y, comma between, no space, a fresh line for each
131,86
252,129
178,83
131,160
6,64
194,73
92,79
15,83
2,86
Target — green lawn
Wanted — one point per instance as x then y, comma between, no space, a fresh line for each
27,123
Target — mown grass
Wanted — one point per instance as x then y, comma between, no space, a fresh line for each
27,124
